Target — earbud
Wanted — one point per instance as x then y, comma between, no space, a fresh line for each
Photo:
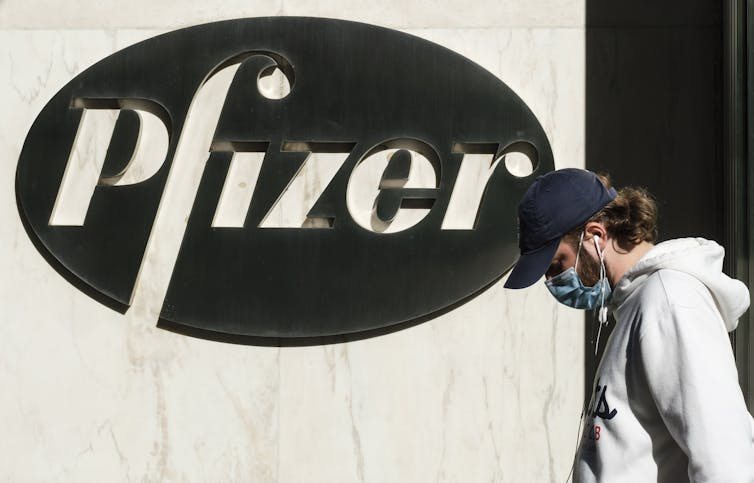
596,239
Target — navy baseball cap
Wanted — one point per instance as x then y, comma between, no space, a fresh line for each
554,204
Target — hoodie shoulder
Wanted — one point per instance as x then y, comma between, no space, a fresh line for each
691,269
670,298
683,289
666,288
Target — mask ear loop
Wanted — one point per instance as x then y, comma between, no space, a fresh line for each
602,315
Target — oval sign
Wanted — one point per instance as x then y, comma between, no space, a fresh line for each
281,178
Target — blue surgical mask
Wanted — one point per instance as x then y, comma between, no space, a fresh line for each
569,290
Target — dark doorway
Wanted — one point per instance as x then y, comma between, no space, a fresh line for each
658,115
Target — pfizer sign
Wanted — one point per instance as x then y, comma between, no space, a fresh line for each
281,177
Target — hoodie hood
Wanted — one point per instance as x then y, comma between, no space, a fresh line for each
700,258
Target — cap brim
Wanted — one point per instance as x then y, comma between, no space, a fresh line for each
531,266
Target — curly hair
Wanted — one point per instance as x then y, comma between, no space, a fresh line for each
630,218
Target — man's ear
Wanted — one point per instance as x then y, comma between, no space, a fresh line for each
596,228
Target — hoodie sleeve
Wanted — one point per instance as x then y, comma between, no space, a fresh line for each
692,378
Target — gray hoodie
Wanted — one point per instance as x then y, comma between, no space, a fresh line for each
666,404
700,258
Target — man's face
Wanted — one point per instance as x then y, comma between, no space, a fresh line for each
565,258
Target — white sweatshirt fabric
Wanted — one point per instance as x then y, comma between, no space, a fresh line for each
666,405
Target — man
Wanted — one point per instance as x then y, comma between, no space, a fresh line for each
666,405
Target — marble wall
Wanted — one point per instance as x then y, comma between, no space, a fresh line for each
490,391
